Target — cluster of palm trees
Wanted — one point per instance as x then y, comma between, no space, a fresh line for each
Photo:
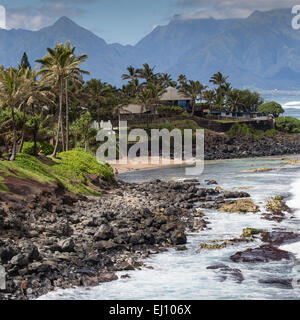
54,101
146,87
225,98
221,96
21,98
61,68
35,93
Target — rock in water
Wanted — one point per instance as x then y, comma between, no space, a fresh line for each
240,206
178,237
264,253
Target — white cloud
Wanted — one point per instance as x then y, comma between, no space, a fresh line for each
31,18
2,17
222,9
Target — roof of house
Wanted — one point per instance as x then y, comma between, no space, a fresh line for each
133,108
173,94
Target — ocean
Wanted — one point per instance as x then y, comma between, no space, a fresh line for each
184,275
289,100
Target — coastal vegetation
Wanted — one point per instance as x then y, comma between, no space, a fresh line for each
244,130
51,111
271,107
288,124
71,169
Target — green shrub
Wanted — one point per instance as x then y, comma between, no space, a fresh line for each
47,148
77,163
167,111
28,148
242,130
209,116
288,124
271,133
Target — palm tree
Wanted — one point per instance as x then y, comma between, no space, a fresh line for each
223,87
209,96
218,79
132,74
166,80
234,100
12,93
144,97
59,65
37,92
181,79
74,76
150,96
192,89
147,73
156,91
100,93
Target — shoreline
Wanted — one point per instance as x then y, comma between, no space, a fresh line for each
126,168
53,253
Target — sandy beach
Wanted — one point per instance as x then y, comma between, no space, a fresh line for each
145,163
157,162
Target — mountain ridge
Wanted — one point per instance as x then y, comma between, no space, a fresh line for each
261,50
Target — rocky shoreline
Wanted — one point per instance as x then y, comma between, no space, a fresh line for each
221,146
57,240
54,239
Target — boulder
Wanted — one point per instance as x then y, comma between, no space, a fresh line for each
67,245
178,237
104,233
19,260
224,272
6,253
240,206
264,253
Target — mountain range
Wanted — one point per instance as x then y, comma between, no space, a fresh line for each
261,51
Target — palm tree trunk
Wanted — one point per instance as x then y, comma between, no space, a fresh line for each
98,114
13,155
67,117
193,107
23,132
22,139
59,122
34,142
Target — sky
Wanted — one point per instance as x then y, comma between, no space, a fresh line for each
128,21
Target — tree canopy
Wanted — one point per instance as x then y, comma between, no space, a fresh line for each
271,107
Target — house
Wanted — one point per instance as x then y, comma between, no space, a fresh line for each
239,115
173,97
133,109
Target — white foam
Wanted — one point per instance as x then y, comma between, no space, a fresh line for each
293,248
295,204
292,105
295,200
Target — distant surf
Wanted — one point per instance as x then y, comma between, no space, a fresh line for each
292,105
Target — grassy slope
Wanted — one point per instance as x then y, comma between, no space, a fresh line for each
71,170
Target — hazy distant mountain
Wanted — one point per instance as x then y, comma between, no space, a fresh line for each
260,51
104,61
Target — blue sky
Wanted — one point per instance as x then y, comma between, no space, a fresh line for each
127,21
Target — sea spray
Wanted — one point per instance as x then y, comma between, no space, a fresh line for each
294,202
